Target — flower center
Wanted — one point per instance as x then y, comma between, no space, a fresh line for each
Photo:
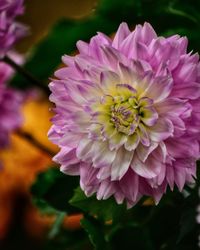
122,110
124,116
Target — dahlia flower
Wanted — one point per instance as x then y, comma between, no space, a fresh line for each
10,30
10,103
127,114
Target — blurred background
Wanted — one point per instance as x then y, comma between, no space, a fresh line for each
21,224
55,26
41,15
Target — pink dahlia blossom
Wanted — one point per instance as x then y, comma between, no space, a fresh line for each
10,30
10,103
127,114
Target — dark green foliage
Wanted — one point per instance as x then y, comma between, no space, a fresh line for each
171,225
54,188
97,208
95,232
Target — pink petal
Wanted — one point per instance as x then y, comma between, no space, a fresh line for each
185,73
102,156
182,147
68,160
189,90
121,164
144,136
132,142
159,89
173,106
68,60
122,32
104,173
127,75
106,189
129,185
147,33
129,45
88,181
117,140
83,148
161,152
162,130
70,139
143,152
150,169
150,116
180,177
108,80
83,47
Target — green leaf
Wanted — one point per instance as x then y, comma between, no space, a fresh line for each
95,232
104,209
45,180
44,207
57,225
54,189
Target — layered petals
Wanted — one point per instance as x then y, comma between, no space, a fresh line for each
127,114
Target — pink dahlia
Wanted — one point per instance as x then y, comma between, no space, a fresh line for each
10,30
127,114
10,103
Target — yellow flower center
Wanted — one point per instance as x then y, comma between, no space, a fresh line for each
122,111
124,116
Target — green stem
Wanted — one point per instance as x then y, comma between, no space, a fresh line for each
57,225
182,13
26,75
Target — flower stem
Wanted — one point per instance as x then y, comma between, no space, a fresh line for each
26,75
34,142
